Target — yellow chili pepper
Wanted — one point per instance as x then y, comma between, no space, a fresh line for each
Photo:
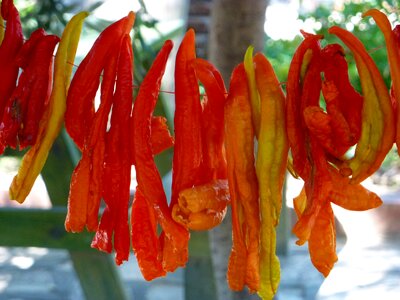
393,57
378,130
272,156
254,96
34,160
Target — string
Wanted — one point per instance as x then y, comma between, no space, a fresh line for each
282,83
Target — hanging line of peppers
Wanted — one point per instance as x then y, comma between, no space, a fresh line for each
231,148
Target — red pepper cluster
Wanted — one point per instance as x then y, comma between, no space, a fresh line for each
22,103
230,148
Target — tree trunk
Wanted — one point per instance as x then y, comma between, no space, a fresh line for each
235,25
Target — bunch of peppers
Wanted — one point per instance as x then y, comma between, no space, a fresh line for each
230,147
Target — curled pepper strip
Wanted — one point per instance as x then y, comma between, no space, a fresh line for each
202,207
9,48
34,160
378,128
80,111
148,177
243,265
392,48
117,167
271,162
214,162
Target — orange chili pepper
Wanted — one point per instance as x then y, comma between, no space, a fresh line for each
243,265
202,207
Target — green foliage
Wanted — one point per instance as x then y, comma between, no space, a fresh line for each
348,17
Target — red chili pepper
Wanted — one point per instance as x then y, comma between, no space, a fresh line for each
296,129
161,138
214,161
9,48
188,156
117,168
149,181
80,111
145,242
86,181
25,107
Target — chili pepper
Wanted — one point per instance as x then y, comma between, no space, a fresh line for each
28,101
214,162
322,242
145,242
188,156
148,177
378,128
254,96
80,111
161,138
392,47
271,161
12,42
117,167
351,196
243,265
294,108
86,180
34,160
202,207
349,102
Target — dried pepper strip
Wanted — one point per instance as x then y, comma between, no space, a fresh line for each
80,112
212,196
202,207
378,128
25,108
9,48
145,242
161,138
243,265
254,95
294,117
349,101
86,181
148,177
212,118
34,160
113,227
271,162
392,47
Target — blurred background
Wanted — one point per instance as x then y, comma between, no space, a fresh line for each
38,260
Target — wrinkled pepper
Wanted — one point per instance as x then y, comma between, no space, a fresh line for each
147,175
392,47
79,115
86,181
25,108
272,154
49,128
9,48
378,128
243,265
202,207
113,227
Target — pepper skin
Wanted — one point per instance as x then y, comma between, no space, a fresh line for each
9,48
